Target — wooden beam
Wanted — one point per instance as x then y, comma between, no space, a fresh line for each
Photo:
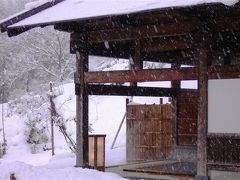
202,115
182,57
148,45
141,75
224,72
168,74
116,90
165,50
121,34
113,90
166,44
225,24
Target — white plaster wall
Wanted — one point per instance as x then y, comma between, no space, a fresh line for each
224,106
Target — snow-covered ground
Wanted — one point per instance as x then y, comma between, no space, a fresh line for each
20,160
65,172
106,114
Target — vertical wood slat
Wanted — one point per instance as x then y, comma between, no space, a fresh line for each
202,114
149,132
187,105
174,120
95,152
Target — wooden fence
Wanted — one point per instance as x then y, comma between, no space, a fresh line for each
149,132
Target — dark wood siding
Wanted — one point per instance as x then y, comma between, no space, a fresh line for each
224,149
187,113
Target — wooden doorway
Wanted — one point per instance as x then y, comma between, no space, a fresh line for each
149,132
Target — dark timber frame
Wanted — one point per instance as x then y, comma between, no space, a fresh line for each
204,36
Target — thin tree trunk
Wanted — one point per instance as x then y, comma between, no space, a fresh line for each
53,114
3,127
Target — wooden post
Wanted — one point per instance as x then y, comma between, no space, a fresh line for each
202,173
81,110
161,101
53,114
13,177
175,85
127,133
138,63
135,62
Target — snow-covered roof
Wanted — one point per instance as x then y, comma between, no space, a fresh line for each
73,10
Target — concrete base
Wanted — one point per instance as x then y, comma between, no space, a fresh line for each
144,176
201,178
224,175
183,154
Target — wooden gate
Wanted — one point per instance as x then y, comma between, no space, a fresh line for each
149,132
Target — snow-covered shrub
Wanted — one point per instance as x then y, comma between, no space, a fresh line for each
34,110
36,131
3,148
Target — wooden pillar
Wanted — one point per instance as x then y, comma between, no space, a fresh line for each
175,85
138,63
136,58
81,109
202,172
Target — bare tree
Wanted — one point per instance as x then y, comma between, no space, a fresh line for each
33,58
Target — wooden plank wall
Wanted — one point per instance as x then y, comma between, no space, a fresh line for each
187,112
224,149
149,132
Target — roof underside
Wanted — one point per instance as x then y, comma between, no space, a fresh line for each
77,10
